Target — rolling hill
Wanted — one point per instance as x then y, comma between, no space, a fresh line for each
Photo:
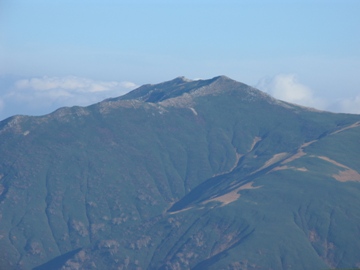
205,174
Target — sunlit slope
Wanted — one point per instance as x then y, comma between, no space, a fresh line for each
209,174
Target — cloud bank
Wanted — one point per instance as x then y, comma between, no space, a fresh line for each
41,95
350,105
71,83
286,87
1,104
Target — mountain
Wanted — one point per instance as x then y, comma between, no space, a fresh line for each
205,174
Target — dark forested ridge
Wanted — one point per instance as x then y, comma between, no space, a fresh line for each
206,174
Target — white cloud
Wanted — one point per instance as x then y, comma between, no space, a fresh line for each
128,85
349,105
71,83
42,95
1,104
286,87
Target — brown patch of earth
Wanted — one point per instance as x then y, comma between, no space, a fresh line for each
299,154
275,158
255,141
279,168
307,144
179,211
332,161
343,176
348,175
232,195
357,124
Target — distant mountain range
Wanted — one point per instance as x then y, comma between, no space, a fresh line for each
205,174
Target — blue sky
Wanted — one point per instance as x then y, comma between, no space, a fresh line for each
77,52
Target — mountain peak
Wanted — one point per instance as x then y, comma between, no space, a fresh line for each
157,179
182,79
181,85
222,77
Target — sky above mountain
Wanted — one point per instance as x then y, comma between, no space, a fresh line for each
64,52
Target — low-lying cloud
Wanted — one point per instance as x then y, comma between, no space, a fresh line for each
41,95
350,105
72,83
1,104
286,87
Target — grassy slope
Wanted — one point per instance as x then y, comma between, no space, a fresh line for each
72,182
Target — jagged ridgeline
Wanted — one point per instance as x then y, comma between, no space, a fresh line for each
205,174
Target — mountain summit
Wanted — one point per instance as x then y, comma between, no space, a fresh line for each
180,86
169,89
203,174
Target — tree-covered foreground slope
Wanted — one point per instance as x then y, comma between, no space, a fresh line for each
207,174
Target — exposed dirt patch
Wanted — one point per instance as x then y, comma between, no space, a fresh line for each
232,195
238,156
357,124
343,176
348,175
279,168
275,158
300,153
307,144
255,141
179,211
332,161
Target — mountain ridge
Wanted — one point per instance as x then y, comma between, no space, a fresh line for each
143,93
224,177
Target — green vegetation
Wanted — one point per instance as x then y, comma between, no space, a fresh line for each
208,174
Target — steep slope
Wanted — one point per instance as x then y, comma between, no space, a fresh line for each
207,174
